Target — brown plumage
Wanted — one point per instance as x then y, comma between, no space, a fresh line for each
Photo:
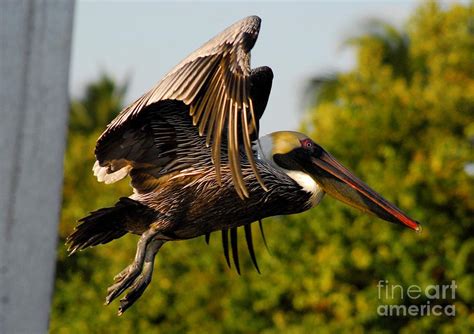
191,148
215,82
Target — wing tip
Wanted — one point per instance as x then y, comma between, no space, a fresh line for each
249,27
253,19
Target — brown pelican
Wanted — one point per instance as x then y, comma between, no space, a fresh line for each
197,165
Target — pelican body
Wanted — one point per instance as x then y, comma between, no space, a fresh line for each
191,148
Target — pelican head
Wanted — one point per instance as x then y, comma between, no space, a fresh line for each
296,154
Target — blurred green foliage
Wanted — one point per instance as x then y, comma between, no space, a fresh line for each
402,119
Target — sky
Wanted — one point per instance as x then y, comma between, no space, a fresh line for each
142,40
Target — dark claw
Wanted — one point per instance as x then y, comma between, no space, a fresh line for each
207,237
235,250
248,238
225,245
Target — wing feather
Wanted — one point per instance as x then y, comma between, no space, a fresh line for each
214,81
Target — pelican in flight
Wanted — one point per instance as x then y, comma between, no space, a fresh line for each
192,150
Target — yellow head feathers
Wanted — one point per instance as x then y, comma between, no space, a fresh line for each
281,142
286,141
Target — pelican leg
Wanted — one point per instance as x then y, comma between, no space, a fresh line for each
126,277
141,282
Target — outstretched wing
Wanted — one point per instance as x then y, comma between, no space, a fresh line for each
162,140
214,81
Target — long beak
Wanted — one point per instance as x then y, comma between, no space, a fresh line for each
337,181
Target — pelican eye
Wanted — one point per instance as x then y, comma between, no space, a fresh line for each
307,144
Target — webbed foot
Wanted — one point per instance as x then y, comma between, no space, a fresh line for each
137,275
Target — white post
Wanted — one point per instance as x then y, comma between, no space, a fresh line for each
35,43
